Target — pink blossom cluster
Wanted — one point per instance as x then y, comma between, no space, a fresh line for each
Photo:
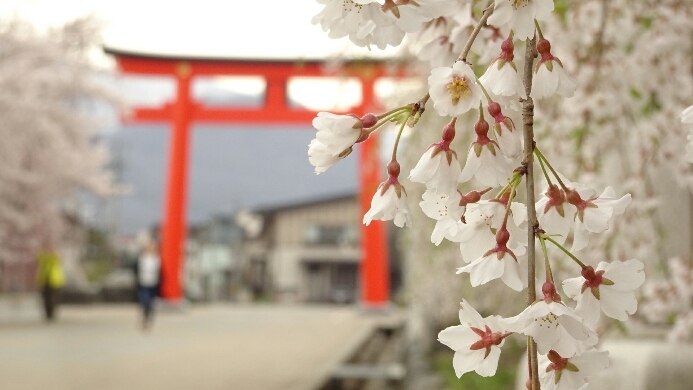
670,300
492,228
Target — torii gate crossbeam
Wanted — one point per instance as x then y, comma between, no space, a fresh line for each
374,270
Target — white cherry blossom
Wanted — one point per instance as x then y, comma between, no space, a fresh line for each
553,325
363,21
367,22
438,167
611,289
338,132
689,146
484,162
487,165
476,341
499,262
556,216
501,77
447,212
519,15
390,200
335,137
321,157
476,236
687,116
438,52
593,212
454,91
559,373
509,139
550,77
465,23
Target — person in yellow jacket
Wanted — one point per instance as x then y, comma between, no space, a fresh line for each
50,278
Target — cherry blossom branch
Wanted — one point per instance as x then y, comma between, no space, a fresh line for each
528,162
468,46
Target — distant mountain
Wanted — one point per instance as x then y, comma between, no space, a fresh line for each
231,168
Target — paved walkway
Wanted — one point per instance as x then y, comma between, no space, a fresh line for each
207,347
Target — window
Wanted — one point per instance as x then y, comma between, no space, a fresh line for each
332,235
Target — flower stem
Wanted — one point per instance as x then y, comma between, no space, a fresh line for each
543,169
514,180
482,21
513,185
488,98
541,35
383,119
547,266
543,159
393,111
561,247
399,135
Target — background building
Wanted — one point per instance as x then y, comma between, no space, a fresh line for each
306,251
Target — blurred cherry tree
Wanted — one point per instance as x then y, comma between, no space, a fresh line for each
48,98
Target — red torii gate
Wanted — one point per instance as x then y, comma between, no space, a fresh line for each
374,279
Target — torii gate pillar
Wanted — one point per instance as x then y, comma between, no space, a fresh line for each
174,228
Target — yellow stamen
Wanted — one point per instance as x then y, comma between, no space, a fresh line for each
519,3
458,88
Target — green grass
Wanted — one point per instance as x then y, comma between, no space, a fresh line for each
503,380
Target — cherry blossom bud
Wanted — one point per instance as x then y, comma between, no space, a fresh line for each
502,237
393,168
481,128
369,120
449,132
472,197
549,291
508,50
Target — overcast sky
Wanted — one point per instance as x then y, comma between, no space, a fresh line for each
230,169
238,28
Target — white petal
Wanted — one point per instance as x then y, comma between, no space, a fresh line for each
458,337
581,237
467,361
572,287
627,276
591,362
544,83
470,167
687,115
469,316
588,307
489,365
617,304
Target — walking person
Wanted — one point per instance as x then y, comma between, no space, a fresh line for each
50,279
148,265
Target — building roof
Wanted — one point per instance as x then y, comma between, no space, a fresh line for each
295,204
